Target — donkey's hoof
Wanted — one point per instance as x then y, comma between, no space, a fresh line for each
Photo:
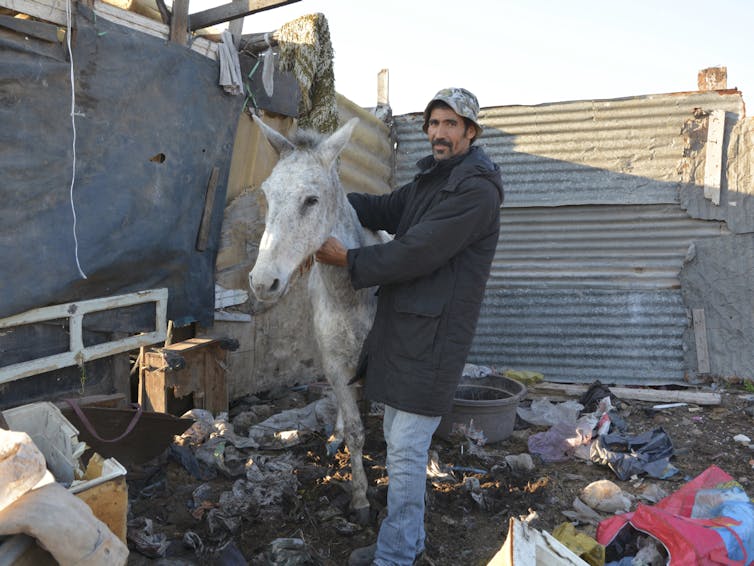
362,515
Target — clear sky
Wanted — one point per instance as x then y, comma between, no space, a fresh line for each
527,51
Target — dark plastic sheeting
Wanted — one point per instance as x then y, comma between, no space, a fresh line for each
137,98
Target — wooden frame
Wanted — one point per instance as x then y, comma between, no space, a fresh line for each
77,353
54,11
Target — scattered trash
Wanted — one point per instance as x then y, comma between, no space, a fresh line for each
668,406
144,540
652,493
472,370
543,412
435,471
524,376
474,435
709,520
742,438
22,465
582,513
588,549
648,453
519,463
64,525
560,442
289,552
525,546
605,496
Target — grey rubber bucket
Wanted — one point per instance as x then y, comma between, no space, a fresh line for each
490,402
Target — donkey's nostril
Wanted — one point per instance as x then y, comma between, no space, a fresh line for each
275,285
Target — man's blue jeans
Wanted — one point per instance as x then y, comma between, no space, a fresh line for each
408,437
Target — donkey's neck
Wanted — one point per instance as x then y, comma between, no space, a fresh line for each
347,228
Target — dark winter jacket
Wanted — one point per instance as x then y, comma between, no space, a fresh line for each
431,278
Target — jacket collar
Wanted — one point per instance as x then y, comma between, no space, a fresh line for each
473,162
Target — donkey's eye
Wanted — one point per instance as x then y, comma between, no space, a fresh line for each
311,201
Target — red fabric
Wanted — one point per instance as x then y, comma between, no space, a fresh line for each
688,541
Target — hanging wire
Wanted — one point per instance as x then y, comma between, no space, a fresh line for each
73,125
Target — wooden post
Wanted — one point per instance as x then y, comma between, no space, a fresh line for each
179,22
383,87
700,336
713,160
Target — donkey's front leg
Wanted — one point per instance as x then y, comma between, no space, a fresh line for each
353,430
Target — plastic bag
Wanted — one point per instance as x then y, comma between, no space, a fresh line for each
709,520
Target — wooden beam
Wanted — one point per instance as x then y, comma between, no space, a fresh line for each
233,10
636,394
256,43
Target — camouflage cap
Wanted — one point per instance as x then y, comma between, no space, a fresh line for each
461,101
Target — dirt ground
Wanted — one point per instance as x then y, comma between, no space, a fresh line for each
467,512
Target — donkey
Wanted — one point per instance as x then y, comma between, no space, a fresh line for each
305,205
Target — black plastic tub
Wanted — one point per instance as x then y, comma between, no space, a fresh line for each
486,404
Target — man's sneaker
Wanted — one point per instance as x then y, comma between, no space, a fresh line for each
363,556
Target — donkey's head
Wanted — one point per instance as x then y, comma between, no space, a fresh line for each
303,197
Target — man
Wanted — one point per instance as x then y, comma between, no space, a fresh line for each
431,280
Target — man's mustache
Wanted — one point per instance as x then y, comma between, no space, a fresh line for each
446,143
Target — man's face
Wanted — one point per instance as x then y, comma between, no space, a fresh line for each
448,134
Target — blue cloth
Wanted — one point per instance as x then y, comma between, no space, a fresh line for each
408,437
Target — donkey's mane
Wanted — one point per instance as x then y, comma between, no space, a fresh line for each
306,139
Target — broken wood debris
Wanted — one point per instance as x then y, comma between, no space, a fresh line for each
636,394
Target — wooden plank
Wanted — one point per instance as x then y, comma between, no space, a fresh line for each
636,394
152,383
179,22
700,338
75,312
233,10
526,546
39,30
713,161
229,297
209,204
54,11
226,316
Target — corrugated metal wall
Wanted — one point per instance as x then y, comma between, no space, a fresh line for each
366,164
585,280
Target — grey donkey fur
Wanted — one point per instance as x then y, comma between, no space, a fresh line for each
305,205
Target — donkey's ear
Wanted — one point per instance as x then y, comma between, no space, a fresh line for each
276,139
331,148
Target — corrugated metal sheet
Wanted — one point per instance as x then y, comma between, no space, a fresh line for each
585,281
623,151
619,247
582,334
366,165
590,292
